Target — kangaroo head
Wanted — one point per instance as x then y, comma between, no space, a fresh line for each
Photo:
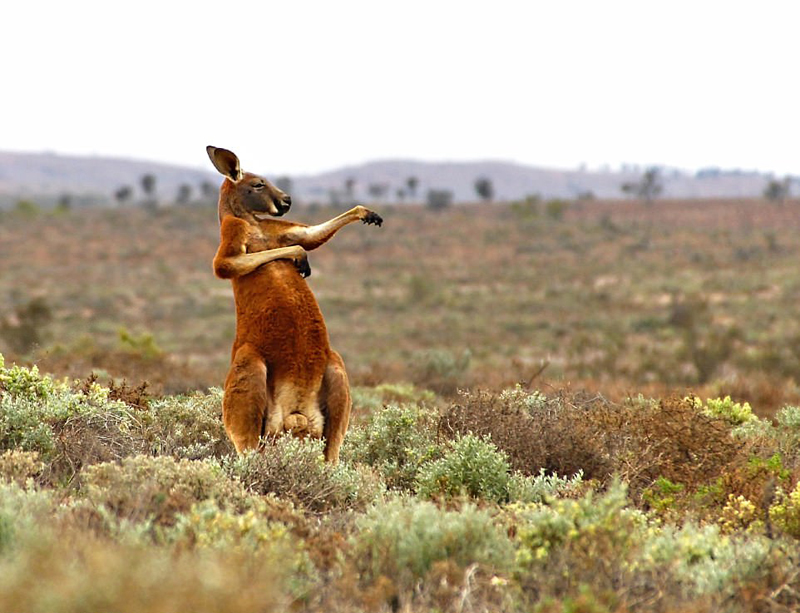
243,194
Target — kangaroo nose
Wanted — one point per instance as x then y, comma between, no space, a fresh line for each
287,200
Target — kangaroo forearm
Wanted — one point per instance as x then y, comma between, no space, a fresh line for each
311,237
245,263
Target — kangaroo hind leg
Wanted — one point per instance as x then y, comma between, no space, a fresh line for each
244,404
335,402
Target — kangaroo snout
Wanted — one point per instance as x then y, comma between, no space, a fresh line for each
283,205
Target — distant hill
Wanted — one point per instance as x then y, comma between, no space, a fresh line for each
94,180
91,178
514,181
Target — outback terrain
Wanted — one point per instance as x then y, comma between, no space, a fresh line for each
558,406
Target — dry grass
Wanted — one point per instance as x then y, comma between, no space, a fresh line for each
614,297
639,442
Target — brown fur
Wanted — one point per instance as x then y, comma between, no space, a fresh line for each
284,375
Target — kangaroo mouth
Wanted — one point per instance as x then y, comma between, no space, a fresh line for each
282,206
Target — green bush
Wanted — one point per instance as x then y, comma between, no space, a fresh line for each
785,511
542,487
734,413
153,491
701,559
295,469
403,539
210,525
473,467
589,530
188,426
68,428
22,512
396,441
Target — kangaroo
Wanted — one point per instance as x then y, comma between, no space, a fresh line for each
284,375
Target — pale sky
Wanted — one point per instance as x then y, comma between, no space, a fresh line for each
300,87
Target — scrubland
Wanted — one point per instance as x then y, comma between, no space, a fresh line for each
557,407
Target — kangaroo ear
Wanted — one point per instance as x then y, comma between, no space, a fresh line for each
225,162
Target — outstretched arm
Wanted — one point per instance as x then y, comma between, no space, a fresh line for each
311,237
232,259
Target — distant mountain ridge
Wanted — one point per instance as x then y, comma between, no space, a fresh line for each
95,179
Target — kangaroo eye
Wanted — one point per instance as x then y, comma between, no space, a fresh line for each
258,185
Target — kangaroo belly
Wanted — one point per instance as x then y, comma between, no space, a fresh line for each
277,314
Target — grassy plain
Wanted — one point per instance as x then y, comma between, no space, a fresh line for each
614,297
615,477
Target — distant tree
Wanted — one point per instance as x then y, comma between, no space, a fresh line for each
148,183
401,195
184,193
412,183
377,191
123,194
648,188
284,183
484,189
439,199
778,191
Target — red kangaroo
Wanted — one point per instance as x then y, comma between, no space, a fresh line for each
284,375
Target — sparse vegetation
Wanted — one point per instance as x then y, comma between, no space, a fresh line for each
525,473
697,504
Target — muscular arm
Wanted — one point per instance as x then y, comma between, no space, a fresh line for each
311,237
232,259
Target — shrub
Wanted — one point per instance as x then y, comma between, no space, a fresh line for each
473,467
74,575
208,525
143,345
440,369
154,491
734,413
188,426
739,513
703,560
662,495
640,441
294,469
589,532
542,487
22,511
395,441
403,539
68,428
785,511
534,432
19,466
